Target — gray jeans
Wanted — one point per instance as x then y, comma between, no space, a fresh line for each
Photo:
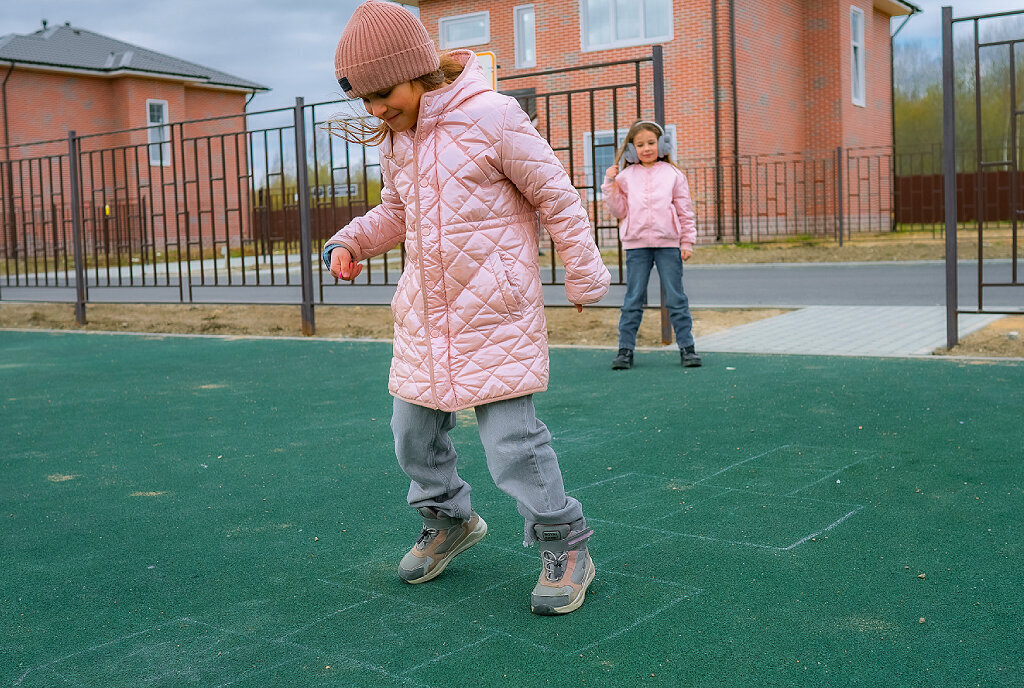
519,457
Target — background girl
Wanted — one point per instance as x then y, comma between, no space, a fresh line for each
464,176
652,197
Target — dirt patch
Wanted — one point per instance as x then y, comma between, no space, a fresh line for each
594,326
1004,337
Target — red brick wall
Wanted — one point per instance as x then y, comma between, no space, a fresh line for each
870,125
771,83
792,60
115,169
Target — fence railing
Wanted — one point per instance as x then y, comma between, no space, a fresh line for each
200,211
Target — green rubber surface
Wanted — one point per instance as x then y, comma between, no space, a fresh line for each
186,511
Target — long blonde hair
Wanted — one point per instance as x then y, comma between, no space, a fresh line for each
642,125
367,130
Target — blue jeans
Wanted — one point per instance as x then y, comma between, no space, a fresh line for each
519,458
638,272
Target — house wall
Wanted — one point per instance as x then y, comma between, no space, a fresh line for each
115,169
792,63
870,125
770,48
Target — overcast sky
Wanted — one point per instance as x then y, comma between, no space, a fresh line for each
288,45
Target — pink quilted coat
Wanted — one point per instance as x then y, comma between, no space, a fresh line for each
462,190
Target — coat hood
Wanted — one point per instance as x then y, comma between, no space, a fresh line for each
470,83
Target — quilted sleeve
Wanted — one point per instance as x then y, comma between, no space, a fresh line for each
529,163
380,229
683,207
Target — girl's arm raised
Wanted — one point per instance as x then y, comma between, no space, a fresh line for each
614,197
528,161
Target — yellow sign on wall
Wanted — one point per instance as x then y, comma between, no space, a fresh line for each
487,61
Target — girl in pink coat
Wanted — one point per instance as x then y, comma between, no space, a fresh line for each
464,176
653,198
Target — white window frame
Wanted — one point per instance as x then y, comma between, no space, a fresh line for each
520,38
858,60
596,177
479,40
644,40
158,135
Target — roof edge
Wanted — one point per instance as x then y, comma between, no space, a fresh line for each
117,72
897,8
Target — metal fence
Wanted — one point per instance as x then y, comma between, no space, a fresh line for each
992,195
234,209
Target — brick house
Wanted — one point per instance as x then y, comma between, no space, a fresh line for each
64,78
742,78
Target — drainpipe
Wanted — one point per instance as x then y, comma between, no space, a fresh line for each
735,122
7,157
718,135
892,114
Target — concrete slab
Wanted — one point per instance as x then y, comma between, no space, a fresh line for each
846,331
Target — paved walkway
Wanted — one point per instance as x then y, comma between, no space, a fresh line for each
846,331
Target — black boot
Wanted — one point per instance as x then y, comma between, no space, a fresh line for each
624,360
689,357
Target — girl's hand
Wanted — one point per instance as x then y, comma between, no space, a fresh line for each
685,253
342,265
611,172
579,307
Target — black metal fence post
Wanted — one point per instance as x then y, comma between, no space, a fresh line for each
658,77
305,238
839,193
76,229
949,176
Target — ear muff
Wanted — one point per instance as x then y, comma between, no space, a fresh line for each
664,145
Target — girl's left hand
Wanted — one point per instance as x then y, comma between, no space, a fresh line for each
685,253
579,307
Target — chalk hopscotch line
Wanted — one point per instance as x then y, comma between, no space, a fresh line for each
602,482
168,625
91,649
331,658
742,543
626,629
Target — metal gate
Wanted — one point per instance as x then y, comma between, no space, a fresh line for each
996,176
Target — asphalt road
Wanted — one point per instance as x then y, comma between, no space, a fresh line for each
778,285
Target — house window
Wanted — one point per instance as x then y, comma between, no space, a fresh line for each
525,36
600,149
159,133
617,23
465,29
857,55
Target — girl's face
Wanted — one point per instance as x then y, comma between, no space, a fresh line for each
398,106
646,144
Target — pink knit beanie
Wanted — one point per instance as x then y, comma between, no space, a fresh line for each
382,45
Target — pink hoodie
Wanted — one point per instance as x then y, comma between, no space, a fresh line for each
655,204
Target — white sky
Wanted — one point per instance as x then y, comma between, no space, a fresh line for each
288,45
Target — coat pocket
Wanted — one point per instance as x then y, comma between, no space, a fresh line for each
503,274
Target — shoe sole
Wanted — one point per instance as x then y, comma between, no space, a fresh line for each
621,366
574,604
474,537
692,364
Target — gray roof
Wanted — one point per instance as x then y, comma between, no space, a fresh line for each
71,47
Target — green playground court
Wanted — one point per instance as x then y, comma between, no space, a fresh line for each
190,511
